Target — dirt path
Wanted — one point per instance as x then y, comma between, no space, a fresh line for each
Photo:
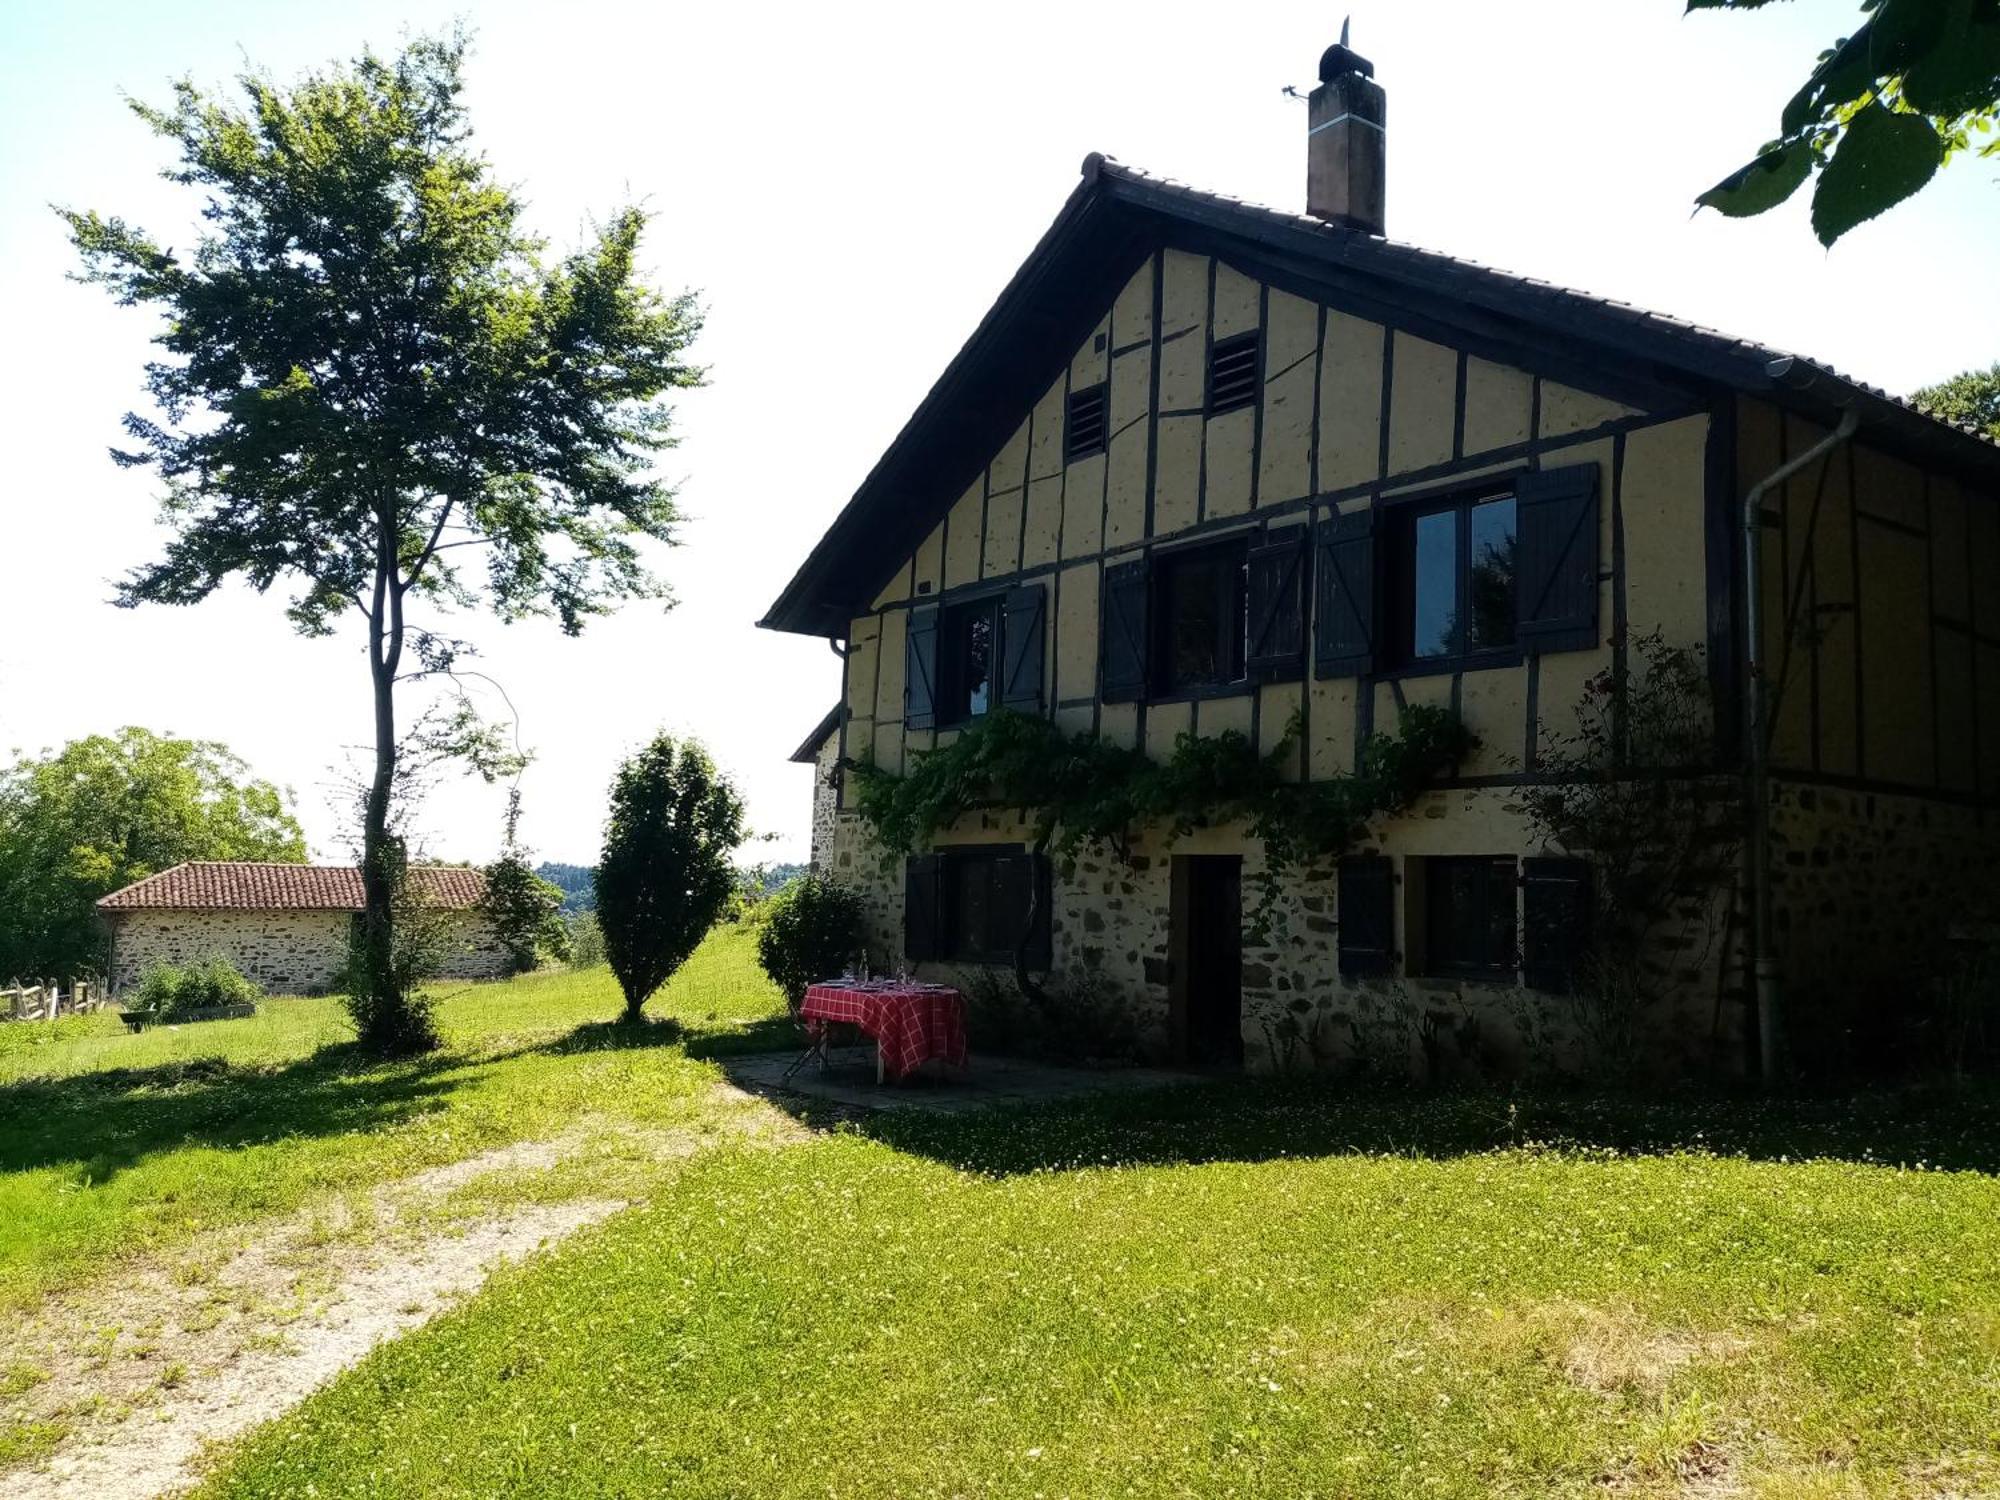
142,1374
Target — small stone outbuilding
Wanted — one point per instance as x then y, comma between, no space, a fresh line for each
285,927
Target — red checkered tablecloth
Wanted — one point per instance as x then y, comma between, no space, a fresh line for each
909,1022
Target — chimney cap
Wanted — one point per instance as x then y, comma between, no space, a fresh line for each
1339,60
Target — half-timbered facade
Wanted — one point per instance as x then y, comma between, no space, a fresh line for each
1210,467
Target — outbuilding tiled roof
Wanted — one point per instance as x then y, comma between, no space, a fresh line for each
214,885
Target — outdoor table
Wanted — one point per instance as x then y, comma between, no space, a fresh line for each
910,1023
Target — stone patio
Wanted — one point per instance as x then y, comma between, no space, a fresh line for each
987,1082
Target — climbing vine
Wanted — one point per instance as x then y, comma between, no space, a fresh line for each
1082,789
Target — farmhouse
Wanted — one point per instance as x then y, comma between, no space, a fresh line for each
286,927
1213,469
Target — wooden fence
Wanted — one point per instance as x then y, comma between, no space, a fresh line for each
46,1001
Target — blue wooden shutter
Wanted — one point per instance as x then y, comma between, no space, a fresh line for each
1021,648
1121,640
1344,596
1556,912
920,662
1555,558
923,934
1276,585
1367,914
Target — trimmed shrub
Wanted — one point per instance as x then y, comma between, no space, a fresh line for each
666,872
170,991
810,932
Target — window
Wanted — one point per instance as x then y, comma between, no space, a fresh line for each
1084,429
1232,372
1451,581
1200,604
970,904
1468,917
968,659
1366,895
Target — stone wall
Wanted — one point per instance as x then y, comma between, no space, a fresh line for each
1111,922
282,952
826,800
1867,885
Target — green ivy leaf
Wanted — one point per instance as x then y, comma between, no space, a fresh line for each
1883,158
1765,183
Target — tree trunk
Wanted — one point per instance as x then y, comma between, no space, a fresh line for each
384,1009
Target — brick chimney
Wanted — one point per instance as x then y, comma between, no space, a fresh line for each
1344,141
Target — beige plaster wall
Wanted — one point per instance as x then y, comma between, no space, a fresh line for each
1312,445
1884,649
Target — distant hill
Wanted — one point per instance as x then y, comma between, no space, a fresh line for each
578,883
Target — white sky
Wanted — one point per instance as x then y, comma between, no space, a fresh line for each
848,187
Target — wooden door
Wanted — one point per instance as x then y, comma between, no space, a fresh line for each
1210,943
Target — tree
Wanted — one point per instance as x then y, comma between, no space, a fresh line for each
1915,85
1971,399
108,810
665,874
369,366
526,911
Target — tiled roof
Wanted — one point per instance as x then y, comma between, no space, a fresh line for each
212,885
808,750
1459,274
1118,214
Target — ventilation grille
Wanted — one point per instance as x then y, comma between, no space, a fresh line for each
1232,373
1083,434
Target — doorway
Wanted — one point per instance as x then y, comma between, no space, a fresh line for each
1207,942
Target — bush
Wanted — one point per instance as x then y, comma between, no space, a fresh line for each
811,931
586,940
526,913
667,870
170,991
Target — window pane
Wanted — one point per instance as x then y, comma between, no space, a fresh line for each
1490,582
1434,594
1471,916
977,662
1194,627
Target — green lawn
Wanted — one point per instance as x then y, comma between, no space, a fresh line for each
1254,1288
114,1145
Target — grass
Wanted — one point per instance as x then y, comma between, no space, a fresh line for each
1254,1288
114,1145
1219,1290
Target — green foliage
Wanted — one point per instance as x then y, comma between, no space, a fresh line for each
170,992
371,373
586,940
1917,83
1081,789
382,984
578,883
810,931
1631,788
526,913
108,810
1972,399
666,872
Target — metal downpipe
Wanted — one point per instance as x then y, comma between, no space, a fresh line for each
1757,751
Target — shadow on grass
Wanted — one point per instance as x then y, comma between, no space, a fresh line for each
105,1122
1267,1119
715,1039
